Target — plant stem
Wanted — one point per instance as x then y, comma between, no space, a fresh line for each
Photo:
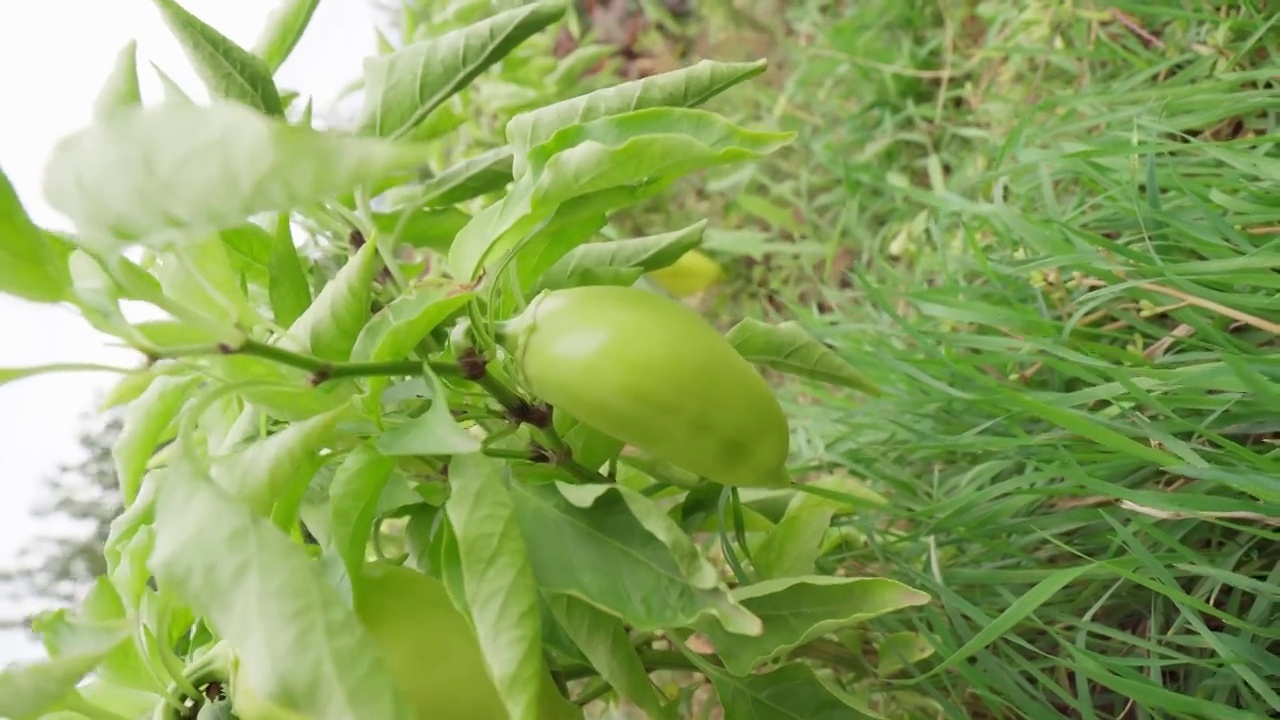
322,370
653,661
563,457
833,653
506,454
517,406
598,689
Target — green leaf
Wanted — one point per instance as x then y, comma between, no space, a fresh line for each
397,329
227,69
604,641
299,644
284,392
123,701
130,387
282,31
687,87
27,691
353,502
793,546
602,165
499,586
797,610
667,582
249,248
121,90
199,276
589,446
287,283
101,614
146,424
639,146
572,224
273,473
31,266
11,374
581,60
1089,426
173,92
786,347
1041,593
403,87
162,336
150,174
330,325
792,692
775,215
468,179
432,228
900,649
435,432
583,264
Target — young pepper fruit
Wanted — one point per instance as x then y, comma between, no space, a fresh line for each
652,373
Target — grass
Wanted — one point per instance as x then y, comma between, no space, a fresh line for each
1051,231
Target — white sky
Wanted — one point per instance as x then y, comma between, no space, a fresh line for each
55,54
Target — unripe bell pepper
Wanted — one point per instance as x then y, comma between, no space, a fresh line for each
652,373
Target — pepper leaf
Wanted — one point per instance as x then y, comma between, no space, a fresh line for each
299,645
603,639
402,88
328,328
176,170
786,347
607,163
667,583
227,69
791,548
799,609
28,691
497,580
900,649
792,692
63,632
249,250
121,90
11,374
284,392
353,502
282,31
398,328
145,425
433,228
287,286
272,474
32,267
586,263
686,87
468,179
199,275
435,432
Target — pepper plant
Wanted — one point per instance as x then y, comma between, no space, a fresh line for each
345,496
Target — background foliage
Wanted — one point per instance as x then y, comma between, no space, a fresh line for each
1047,231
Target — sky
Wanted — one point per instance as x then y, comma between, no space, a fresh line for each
55,55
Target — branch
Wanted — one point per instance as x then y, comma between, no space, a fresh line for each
321,370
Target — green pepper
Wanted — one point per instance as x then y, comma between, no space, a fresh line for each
652,373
